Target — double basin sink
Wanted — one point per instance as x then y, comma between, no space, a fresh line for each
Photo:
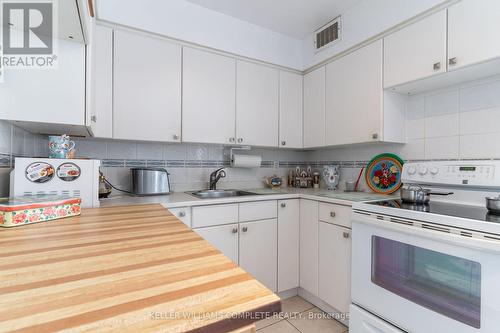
216,194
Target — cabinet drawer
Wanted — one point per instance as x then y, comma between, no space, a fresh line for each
183,214
206,216
335,214
261,210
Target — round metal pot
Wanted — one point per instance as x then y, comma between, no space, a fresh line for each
493,204
415,194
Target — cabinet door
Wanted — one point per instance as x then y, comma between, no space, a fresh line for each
309,246
208,97
314,108
258,251
335,266
224,238
288,244
415,52
290,116
147,88
257,104
183,214
354,97
101,82
55,96
473,27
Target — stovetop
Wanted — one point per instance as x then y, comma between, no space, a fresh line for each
442,208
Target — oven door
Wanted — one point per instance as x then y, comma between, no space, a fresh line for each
424,280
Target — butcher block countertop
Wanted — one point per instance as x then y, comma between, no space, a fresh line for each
123,269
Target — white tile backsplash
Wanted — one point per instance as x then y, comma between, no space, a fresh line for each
121,150
149,151
441,102
443,125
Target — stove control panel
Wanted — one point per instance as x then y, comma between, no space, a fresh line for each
477,173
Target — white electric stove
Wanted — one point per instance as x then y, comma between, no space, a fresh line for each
429,268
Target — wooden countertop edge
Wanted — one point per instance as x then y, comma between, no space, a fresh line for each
231,324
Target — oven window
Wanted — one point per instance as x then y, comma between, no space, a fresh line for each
445,284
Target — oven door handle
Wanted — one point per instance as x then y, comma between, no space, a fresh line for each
485,245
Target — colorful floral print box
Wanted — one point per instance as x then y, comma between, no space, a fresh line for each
26,210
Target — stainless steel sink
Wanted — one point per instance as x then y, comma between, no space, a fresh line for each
215,194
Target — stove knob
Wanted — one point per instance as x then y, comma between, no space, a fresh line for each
434,171
423,171
412,170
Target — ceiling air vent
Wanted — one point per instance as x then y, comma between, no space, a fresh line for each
327,34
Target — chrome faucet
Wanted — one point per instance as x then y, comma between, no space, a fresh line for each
215,177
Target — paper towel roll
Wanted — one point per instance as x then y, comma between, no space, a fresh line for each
246,161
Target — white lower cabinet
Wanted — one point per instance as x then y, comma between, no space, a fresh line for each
259,252
224,238
335,266
309,246
183,214
288,244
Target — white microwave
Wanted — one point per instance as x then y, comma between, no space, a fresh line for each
44,176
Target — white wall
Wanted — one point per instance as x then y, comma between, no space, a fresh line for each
186,21
365,20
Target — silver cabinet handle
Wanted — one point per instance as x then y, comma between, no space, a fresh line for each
176,137
437,66
283,143
453,61
231,140
240,140
93,119
234,230
283,205
332,214
346,235
244,229
182,214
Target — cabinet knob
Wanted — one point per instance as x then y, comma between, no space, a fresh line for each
437,66
346,235
283,143
93,119
453,61
176,137
234,230
240,140
332,214
244,229
182,214
375,136
231,140
283,205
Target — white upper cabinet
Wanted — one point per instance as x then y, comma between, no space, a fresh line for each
147,88
314,108
354,97
208,97
290,106
473,28
100,80
50,96
415,52
257,89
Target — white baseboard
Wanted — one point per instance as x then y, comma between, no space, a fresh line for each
339,316
288,293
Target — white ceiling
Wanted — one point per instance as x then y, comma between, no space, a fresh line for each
296,18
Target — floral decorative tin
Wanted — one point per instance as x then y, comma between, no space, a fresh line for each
33,209
383,173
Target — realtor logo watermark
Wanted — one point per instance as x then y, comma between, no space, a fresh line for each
28,34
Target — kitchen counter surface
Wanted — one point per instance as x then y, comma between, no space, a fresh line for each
125,269
182,199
